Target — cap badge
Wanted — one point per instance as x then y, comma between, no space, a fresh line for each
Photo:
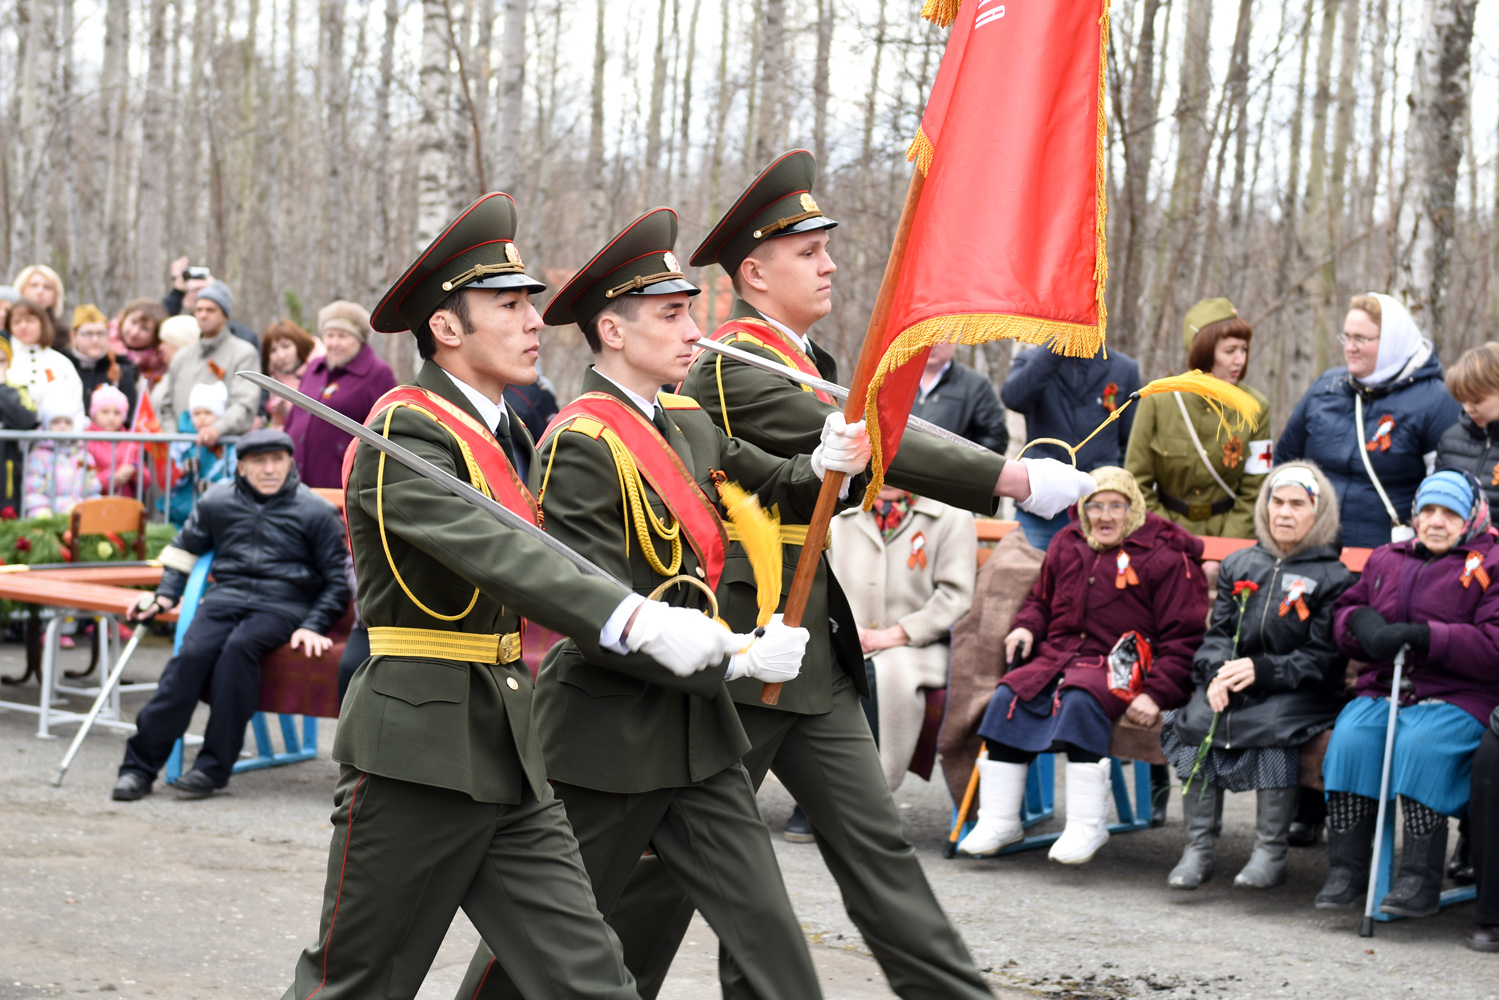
670,259
808,204
512,254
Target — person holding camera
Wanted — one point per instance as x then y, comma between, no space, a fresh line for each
214,357
188,282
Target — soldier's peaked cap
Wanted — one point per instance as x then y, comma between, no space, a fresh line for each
477,250
779,202
638,261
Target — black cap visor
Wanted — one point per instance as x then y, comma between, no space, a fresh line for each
516,282
671,286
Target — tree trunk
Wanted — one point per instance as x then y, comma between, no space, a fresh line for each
598,201
335,98
768,140
114,99
820,74
151,192
715,166
31,201
1434,151
432,149
1137,139
1316,218
382,266
685,129
508,101
653,121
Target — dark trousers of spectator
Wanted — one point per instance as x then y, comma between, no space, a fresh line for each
1483,828
356,651
219,663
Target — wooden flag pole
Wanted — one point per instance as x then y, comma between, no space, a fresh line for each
853,410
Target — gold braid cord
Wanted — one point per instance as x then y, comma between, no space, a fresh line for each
638,514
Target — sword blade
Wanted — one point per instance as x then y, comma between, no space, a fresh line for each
422,467
832,389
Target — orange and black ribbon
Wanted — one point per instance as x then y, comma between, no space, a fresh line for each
1473,570
1382,431
918,552
1126,576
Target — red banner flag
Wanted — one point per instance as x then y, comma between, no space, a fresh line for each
1007,240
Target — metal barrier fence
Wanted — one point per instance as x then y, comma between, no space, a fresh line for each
153,461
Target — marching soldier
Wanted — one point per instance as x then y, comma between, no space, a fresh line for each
648,759
774,245
442,800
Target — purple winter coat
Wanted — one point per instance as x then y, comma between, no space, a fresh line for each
1462,666
352,391
1077,613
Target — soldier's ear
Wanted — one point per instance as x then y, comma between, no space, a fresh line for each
446,329
611,335
752,274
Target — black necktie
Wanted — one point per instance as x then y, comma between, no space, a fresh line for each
658,417
507,444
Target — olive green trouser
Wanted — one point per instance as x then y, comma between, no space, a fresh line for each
405,857
830,765
710,840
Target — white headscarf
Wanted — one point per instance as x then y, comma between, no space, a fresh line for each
1400,340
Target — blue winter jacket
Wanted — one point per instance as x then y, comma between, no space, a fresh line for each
1322,429
1062,398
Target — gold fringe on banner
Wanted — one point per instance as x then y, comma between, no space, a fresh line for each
1076,340
921,150
760,534
941,12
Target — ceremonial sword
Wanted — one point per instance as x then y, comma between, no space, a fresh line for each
831,388
422,467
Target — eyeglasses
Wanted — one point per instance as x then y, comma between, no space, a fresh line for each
1356,340
1110,508
82,334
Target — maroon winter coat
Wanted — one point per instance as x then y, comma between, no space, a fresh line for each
1077,613
351,390
1404,585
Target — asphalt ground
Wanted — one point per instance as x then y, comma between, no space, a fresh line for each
214,899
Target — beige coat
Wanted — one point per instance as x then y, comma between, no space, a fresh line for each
884,590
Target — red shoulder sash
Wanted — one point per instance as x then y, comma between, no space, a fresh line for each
762,334
662,468
477,441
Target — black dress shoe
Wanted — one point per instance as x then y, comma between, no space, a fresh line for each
799,828
194,785
130,786
1482,938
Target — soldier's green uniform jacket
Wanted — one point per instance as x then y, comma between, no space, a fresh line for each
466,726
783,418
1163,460
635,730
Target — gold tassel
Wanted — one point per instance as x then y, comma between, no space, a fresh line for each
1222,397
941,12
921,150
760,534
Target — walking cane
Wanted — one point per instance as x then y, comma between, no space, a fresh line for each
1367,928
950,849
93,713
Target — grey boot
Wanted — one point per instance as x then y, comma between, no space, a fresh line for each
1267,865
1202,811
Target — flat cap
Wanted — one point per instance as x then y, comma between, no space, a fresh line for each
264,439
477,250
637,261
779,202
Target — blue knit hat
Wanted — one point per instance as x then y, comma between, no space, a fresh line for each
1447,488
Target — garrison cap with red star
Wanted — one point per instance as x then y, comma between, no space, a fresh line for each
638,261
477,250
779,202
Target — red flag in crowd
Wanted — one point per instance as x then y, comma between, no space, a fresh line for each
1007,238
146,423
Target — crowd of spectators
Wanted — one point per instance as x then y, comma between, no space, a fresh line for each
1235,667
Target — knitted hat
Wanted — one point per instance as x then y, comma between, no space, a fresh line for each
350,317
60,403
219,294
213,396
179,331
1447,488
1111,477
88,313
108,395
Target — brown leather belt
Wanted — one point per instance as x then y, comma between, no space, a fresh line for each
1194,511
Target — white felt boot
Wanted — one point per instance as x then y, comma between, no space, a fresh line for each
1087,827
1001,791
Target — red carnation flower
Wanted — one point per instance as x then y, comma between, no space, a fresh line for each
1245,587
7,513
23,544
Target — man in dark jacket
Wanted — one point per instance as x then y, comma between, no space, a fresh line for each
1066,398
279,575
957,398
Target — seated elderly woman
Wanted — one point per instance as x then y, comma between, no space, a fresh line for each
1117,576
1268,675
1432,597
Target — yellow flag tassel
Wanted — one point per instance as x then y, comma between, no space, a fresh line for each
941,12
760,534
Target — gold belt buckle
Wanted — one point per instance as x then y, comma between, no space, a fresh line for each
509,647
1199,511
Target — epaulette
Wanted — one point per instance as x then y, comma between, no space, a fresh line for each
671,401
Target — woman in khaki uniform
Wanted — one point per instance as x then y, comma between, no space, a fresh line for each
1191,468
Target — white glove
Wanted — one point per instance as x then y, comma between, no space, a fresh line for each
680,639
1055,486
775,657
844,447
